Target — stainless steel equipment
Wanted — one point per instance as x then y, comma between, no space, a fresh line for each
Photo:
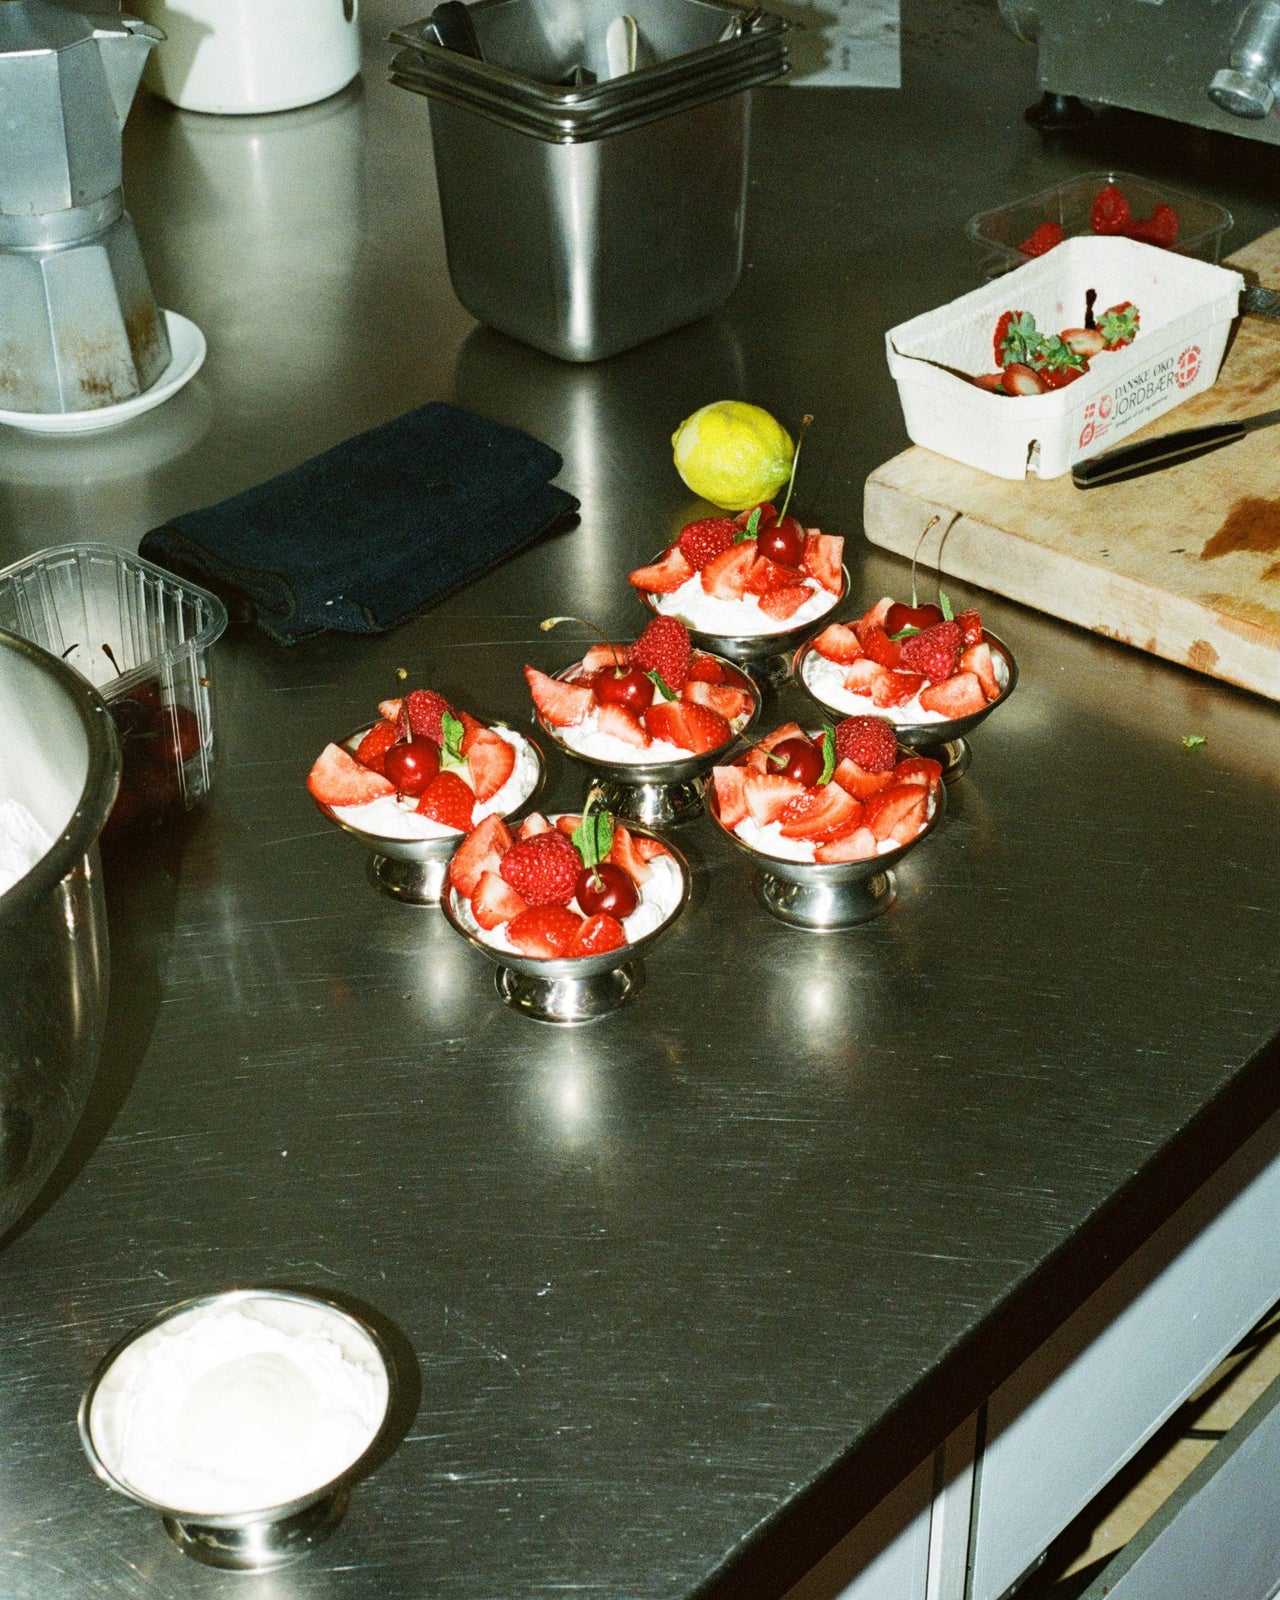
1216,66
79,325
586,213
58,758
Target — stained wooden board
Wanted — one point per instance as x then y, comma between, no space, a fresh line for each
1184,563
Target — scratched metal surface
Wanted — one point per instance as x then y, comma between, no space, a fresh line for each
660,1275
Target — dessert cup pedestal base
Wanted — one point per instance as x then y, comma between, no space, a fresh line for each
656,805
954,754
569,1002
259,1546
416,883
772,671
824,907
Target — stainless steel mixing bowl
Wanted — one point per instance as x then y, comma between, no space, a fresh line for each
59,758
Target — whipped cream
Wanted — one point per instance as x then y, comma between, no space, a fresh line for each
23,842
585,737
659,898
826,681
394,816
738,619
240,1406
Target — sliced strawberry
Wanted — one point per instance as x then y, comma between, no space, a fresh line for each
970,624
896,688
768,513
491,760
731,799
992,382
693,727
954,697
787,730
534,824
897,813
649,847
623,853
561,704
495,901
472,728
725,577
978,660
372,749
766,576
706,669
391,709
766,793
664,576
545,931
480,852
1020,379
838,643
596,935
858,782
876,615
338,779
918,769
784,603
568,823
863,676
1087,342
600,656
823,553
819,813
730,702
448,800
860,845
877,644
622,724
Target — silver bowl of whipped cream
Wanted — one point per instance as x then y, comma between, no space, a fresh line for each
244,1418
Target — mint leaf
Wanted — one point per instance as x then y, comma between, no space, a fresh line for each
828,752
945,603
594,837
659,683
749,532
451,757
904,633
1193,741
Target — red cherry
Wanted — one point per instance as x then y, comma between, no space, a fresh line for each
796,758
899,617
412,764
782,542
180,734
624,686
615,892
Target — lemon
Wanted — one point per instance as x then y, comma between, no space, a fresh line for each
733,454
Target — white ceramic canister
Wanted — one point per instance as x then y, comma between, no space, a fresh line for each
239,57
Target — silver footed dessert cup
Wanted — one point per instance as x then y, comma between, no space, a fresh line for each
570,990
659,794
944,742
414,870
767,657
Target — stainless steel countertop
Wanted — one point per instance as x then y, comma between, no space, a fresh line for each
691,1286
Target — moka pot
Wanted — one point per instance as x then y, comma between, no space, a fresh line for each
79,325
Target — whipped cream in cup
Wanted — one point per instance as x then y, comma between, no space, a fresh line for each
738,619
659,899
825,681
241,1403
397,817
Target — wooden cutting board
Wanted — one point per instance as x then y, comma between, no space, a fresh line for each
1184,563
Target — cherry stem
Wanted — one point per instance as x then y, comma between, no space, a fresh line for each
548,623
932,523
795,461
108,652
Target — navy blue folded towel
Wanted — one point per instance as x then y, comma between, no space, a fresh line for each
373,531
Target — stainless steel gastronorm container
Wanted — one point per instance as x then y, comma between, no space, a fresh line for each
586,219
59,758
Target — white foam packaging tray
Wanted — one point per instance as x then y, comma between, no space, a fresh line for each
1186,309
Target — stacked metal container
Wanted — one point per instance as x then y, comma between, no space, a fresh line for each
586,212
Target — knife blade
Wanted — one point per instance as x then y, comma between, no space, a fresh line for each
1165,450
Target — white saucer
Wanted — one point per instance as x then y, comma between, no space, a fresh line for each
188,346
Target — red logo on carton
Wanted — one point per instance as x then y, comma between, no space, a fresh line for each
1097,420
1104,407
1188,366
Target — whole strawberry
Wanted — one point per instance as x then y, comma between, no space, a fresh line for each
702,541
868,741
664,648
543,869
425,711
934,651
